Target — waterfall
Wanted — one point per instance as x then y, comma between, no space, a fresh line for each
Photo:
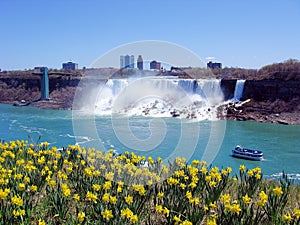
160,96
239,88
188,85
211,90
116,85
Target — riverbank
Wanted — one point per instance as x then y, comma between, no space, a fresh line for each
285,118
271,112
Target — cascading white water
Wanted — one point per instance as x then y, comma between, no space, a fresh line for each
239,88
188,85
211,91
116,85
161,97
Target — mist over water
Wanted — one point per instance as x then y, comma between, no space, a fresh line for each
159,97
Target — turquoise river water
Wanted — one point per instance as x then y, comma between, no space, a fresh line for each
280,143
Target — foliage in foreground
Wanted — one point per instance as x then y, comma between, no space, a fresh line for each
42,185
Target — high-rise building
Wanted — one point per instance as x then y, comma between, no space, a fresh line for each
131,62
122,61
140,63
126,61
154,65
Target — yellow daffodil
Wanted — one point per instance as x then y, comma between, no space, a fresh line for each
109,176
18,176
140,189
188,195
212,205
113,199
66,192
211,221
242,168
166,211
258,176
33,188
196,162
76,197
236,208
182,186
21,186
278,191
177,219
195,201
52,183
92,197
107,214
134,219
3,194
81,216
107,185
263,196
225,198
126,213
160,195
105,198
296,213
186,222
128,199
96,187
159,208
246,199
17,200
250,173
287,217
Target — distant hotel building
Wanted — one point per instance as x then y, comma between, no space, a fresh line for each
70,66
155,65
126,61
212,65
140,63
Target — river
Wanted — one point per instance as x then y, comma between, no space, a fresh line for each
164,137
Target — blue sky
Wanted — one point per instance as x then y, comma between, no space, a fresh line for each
237,33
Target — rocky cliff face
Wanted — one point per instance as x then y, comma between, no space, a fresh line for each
271,90
228,86
275,101
61,88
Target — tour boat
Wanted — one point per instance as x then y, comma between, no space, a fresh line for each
21,103
245,153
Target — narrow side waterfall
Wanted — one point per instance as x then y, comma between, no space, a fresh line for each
239,88
161,97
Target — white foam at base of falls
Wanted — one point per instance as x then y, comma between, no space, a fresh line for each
161,97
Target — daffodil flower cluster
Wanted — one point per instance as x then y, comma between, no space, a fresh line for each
40,184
